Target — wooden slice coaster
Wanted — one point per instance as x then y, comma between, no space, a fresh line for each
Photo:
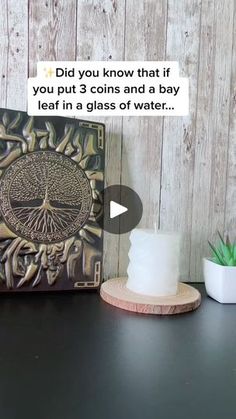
114,292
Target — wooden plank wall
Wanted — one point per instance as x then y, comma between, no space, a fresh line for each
184,168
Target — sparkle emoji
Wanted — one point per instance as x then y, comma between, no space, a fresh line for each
49,72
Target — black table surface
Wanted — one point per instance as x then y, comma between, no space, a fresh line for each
73,356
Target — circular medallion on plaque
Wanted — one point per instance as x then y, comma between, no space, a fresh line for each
45,197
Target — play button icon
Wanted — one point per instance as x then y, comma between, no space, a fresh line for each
122,209
116,209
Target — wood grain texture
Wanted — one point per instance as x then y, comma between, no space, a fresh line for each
145,39
179,133
4,45
212,128
115,293
230,210
100,36
184,169
52,31
13,53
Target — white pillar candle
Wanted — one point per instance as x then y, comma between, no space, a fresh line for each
154,262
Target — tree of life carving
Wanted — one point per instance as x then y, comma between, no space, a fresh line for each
47,195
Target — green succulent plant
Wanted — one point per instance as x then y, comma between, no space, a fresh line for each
225,253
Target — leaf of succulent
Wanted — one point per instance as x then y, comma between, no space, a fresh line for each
216,260
227,241
217,254
225,248
226,251
231,262
220,236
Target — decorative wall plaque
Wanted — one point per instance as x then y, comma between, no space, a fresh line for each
51,178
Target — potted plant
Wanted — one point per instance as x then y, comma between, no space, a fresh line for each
220,271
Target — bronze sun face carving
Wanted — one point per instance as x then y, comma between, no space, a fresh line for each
50,202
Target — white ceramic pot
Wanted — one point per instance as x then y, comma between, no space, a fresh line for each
220,281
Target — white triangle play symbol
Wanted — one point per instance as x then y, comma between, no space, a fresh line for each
116,209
